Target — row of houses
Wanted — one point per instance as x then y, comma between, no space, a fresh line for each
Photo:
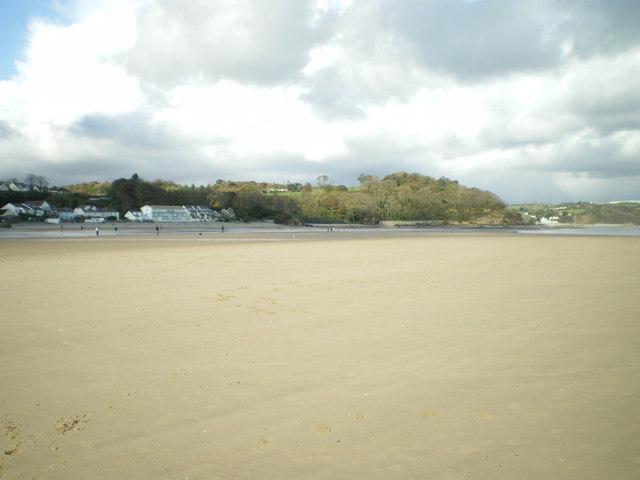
91,213
43,209
184,213
34,209
14,186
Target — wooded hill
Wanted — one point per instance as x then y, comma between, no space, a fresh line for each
398,196
402,196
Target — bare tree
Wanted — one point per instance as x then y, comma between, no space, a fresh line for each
323,180
31,179
35,180
363,178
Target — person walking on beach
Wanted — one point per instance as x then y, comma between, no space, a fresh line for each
115,229
221,228
157,230
97,232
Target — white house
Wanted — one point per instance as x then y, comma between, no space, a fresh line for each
19,186
227,214
201,214
42,205
165,213
276,190
92,212
134,216
65,214
550,221
15,209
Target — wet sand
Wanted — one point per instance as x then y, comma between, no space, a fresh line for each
442,357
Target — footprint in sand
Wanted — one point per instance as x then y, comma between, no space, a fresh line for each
357,417
261,444
223,297
258,310
64,425
486,416
321,428
11,439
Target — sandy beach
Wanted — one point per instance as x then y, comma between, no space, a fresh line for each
440,357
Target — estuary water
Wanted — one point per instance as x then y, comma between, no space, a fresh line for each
255,229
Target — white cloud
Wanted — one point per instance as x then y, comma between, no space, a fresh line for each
253,120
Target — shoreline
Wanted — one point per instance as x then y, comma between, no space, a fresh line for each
271,231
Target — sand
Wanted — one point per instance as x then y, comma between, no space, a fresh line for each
442,357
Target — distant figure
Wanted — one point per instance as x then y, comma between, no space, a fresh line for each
60,226
115,229
222,229
157,230
97,231
81,227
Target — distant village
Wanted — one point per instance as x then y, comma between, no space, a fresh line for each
42,210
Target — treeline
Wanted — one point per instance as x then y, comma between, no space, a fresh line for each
398,196
401,196
132,193
582,213
614,213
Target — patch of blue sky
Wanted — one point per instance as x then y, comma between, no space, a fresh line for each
15,16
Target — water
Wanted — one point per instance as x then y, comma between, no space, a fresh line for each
254,229
605,230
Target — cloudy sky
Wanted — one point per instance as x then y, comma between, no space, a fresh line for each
534,100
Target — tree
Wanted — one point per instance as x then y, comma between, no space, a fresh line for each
35,180
323,180
30,178
363,178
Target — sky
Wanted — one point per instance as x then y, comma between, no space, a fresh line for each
536,101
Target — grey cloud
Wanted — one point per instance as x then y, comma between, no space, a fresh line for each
257,42
348,89
132,129
334,96
593,157
373,68
601,26
6,131
107,166
475,39
478,39
77,170
614,108
371,155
